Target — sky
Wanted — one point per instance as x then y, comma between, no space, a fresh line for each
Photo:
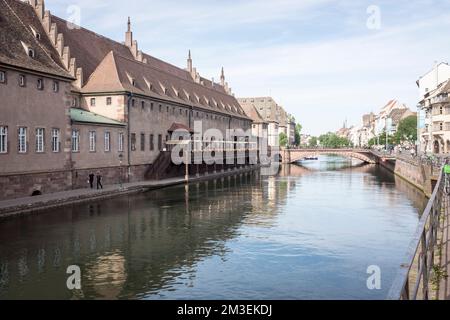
324,61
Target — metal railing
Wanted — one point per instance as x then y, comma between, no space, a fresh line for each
413,279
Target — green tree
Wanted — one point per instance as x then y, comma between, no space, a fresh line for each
313,142
332,140
298,130
407,130
381,139
283,139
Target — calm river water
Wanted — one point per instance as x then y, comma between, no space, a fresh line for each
309,233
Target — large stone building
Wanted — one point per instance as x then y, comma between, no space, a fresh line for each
76,102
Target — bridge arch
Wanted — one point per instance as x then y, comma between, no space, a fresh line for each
299,154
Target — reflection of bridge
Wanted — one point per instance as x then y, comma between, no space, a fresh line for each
294,155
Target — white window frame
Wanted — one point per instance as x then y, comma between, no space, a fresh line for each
92,141
75,141
56,139
40,140
107,141
2,76
40,84
22,140
3,139
55,86
121,141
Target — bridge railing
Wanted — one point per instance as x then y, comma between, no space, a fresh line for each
414,278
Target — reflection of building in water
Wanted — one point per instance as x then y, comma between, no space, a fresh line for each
132,245
108,273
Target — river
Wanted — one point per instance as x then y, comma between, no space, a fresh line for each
310,232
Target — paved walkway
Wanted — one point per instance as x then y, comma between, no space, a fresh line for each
30,204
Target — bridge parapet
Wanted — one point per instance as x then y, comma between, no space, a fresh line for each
294,155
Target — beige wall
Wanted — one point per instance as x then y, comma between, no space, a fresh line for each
32,108
85,159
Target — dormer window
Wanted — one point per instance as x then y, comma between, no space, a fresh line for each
40,84
36,34
31,53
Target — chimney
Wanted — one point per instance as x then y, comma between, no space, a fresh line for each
189,62
129,35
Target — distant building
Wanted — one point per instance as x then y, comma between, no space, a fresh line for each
277,119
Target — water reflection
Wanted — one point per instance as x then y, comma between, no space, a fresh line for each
308,233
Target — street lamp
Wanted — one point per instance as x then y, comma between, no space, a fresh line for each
120,170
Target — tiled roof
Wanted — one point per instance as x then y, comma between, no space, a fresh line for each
179,126
16,22
118,73
252,113
84,116
97,54
268,105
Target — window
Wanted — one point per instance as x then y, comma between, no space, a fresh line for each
142,142
75,141
160,108
56,140
107,141
22,140
160,142
152,143
40,138
121,142
38,36
22,80
133,142
108,101
143,105
40,84
151,106
92,141
92,102
3,139
31,53
133,102
2,77
55,86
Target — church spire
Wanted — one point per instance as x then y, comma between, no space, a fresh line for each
189,62
129,34
222,78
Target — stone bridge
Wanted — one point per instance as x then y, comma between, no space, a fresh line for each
294,155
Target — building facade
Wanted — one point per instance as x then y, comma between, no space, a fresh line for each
434,110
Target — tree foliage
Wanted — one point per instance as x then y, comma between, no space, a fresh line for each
283,139
407,130
298,130
332,140
313,142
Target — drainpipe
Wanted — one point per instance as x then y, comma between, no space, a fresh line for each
129,95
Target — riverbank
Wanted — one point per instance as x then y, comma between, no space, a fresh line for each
29,205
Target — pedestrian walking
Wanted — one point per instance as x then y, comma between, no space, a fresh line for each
91,180
99,181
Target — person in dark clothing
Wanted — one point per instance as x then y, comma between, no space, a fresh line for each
91,180
99,181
